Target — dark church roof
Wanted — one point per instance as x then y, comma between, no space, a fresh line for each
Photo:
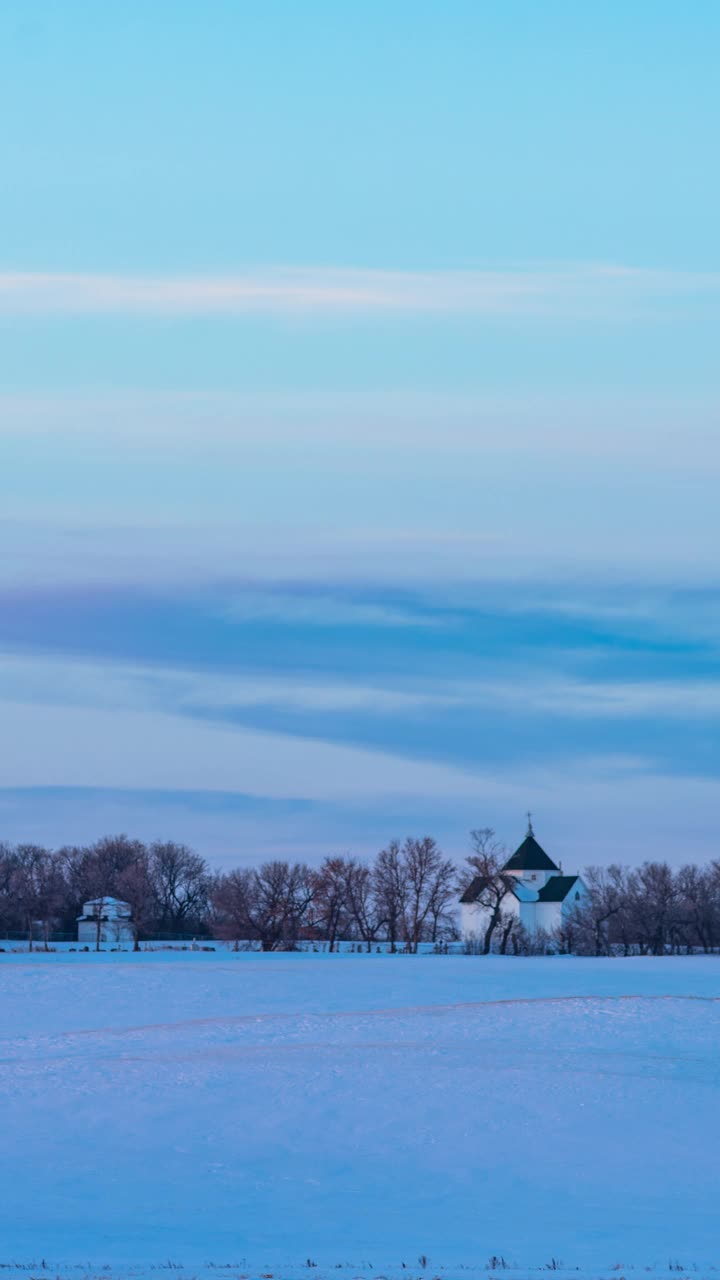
530,857
480,883
475,888
556,889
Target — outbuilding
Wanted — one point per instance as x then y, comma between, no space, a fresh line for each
111,915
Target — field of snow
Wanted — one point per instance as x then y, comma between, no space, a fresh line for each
360,1112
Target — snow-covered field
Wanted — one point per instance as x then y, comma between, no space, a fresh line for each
358,1112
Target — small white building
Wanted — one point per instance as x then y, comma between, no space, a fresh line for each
114,917
538,894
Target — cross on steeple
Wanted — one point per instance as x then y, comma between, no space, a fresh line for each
530,831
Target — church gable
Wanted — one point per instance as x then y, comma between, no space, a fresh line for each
530,857
558,888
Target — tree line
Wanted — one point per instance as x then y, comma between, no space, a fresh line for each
43,890
651,910
406,895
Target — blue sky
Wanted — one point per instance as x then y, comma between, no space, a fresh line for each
359,425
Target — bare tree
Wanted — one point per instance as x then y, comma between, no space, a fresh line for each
443,898
276,899
35,887
182,881
52,892
330,898
492,888
699,905
592,923
232,899
365,909
136,886
653,900
429,879
390,891
8,910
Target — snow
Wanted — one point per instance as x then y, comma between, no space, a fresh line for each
359,1110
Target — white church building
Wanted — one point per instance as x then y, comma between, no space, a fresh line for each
538,893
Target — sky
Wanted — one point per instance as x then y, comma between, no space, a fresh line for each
359,425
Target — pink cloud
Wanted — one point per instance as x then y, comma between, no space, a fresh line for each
573,290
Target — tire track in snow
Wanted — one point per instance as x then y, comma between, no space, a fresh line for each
420,1010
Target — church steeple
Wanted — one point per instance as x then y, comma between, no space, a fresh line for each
530,856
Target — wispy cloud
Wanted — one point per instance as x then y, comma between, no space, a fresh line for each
187,691
141,731
574,289
147,750
325,610
74,547
637,427
146,728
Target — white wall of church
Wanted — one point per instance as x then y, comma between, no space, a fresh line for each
535,916
548,916
474,919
